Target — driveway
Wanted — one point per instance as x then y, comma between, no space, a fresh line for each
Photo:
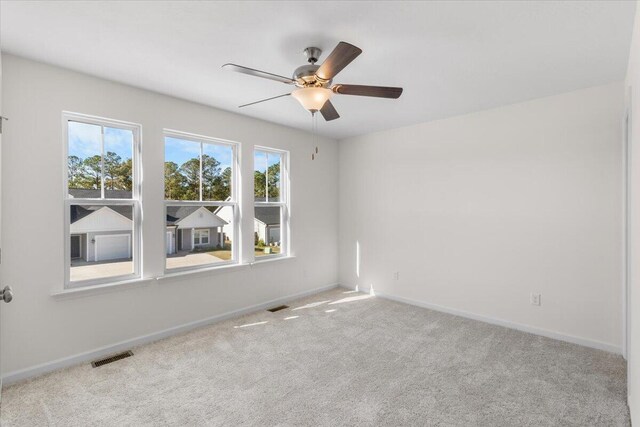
82,270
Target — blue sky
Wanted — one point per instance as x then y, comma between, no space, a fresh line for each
261,159
180,150
84,140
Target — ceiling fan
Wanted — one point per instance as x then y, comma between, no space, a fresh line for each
314,87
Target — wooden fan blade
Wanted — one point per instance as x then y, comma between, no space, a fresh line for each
263,100
329,112
258,73
376,91
341,56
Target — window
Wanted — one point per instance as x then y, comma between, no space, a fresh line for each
200,201
271,211
102,200
201,237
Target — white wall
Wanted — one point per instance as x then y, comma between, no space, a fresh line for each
632,96
1,114
475,212
478,211
39,328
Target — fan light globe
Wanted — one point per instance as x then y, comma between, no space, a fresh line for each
312,98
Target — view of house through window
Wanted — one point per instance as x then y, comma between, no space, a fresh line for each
199,169
103,212
101,204
266,228
101,238
270,202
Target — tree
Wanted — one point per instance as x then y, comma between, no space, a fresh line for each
125,175
174,182
112,171
259,184
190,170
221,189
74,171
211,179
215,185
273,172
92,171
87,173
224,186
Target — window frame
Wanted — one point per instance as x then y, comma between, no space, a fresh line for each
283,203
135,201
199,232
233,202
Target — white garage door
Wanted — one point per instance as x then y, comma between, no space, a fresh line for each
114,246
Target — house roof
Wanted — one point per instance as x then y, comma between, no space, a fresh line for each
269,215
79,212
174,213
88,219
177,213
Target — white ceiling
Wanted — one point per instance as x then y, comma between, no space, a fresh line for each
450,57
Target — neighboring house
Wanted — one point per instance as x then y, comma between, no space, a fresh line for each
226,213
266,224
102,233
193,226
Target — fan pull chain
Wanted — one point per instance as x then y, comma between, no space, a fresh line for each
314,130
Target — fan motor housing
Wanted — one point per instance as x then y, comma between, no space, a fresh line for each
305,76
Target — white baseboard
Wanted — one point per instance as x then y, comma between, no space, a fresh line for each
34,371
500,322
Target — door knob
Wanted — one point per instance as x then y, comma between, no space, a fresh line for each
6,294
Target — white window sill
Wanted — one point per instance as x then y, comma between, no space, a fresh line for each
99,289
268,259
223,269
128,284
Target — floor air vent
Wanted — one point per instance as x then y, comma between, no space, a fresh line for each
278,308
111,359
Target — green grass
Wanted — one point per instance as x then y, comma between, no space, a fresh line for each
260,251
225,254
222,253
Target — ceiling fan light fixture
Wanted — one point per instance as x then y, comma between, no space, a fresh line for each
312,98
314,83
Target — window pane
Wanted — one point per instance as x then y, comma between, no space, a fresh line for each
266,176
198,235
259,176
266,228
274,160
101,240
181,169
216,171
118,163
84,160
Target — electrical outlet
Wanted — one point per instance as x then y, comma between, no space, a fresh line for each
396,275
535,299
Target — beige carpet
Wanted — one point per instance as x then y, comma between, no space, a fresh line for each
337,358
